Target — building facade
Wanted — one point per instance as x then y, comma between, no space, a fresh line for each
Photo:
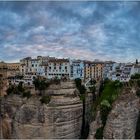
58,68
76,69
93,70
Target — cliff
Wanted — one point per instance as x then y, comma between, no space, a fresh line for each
122,120
29,118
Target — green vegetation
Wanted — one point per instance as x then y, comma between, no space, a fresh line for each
78,83
135,76
27,94
19,90
109,92
55,81
99,133
93,82
93,90
40,84
45,99
82,91
137,133
138,83
81,88
138,92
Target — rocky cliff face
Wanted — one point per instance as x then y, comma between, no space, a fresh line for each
122,120
28,118
97,123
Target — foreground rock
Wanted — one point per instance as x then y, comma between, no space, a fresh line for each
122,120
60,118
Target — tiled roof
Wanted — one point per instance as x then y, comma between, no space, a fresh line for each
59,60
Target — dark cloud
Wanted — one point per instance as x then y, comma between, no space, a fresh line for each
86,30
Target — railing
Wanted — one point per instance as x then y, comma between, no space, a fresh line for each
87,83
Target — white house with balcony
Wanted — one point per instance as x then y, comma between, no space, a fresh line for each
59,68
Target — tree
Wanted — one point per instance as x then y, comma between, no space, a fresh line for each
45,99
78,82
93,82
26,94
40,84
99,133
136,61
137,133
135,76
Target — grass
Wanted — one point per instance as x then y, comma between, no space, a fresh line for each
109,93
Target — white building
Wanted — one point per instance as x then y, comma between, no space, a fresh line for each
58,68
76,69
110,69
135,69
27,80
126,73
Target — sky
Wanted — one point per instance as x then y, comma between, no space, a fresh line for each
79,30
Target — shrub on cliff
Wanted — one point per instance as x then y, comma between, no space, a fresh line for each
138,82
137,133
40,84
16,89
55,81
99,133
135,76
26,94
78,82
45,99
138,92
10,90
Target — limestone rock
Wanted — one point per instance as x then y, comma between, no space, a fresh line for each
95,125
122,120
61,118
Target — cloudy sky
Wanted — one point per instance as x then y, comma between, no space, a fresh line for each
84,30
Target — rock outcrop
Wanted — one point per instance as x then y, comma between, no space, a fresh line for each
60,118
97,123
122,120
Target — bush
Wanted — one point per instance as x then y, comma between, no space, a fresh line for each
10,90
138,82
82,89
26,94
99,133
104,113
55,81
82,97
78,82
138,92
92,89
137,133
45,99
93,82
135,76
40,84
